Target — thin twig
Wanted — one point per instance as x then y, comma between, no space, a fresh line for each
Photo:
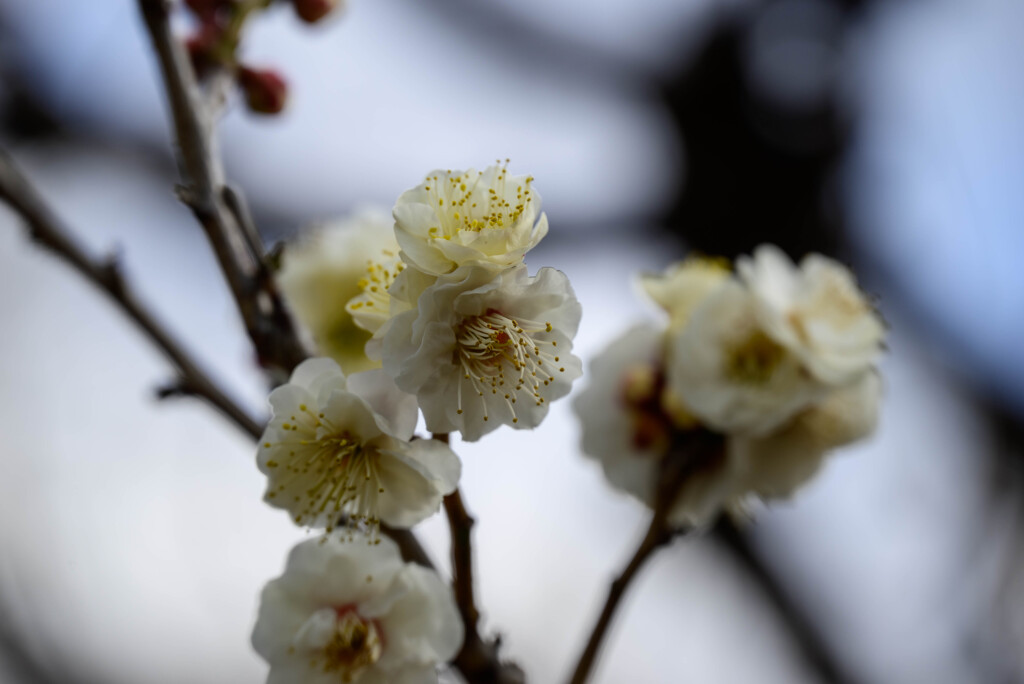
478,660
460,524
694,452
220,211
658,535
46,229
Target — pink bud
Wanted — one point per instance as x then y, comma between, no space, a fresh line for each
312,11
265,90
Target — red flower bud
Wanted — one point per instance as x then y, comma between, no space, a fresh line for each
200,51
265,91
314,10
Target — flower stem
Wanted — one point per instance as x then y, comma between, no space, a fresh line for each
49,232
478,658
691,452
657,536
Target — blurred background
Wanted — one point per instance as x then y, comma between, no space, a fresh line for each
888,134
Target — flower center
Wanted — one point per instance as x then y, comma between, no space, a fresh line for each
499,356
754,360
640,395
461,204
375,284
355,646
332,474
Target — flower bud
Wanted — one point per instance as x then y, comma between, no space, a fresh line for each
200,51
312,11
265,90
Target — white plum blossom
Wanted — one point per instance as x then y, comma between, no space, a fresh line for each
485,349
681,287
402,295
815,311
626,427
731,373
340,446
759,408
776,465
456,218
374,305
327,267
355,613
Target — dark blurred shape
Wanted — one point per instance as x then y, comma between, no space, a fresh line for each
763,131
22,116
265,90
312,11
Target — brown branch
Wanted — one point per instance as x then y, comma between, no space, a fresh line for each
47,230
478,659
694,452
220,210
658,535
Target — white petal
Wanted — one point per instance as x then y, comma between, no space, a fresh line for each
424,621
440,461
395,409
313,372
412,491
703,368
607,428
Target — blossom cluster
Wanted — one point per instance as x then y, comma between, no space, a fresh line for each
449,309
433,311
776,360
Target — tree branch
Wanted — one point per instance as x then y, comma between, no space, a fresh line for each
693,452
47,230
219,209
478,660
658,535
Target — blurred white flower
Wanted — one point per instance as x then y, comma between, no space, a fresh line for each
340,446
815,311
485,349
468,217
776,465
372,307
628,430
720,366
731,373
327,267
354,612
681,288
